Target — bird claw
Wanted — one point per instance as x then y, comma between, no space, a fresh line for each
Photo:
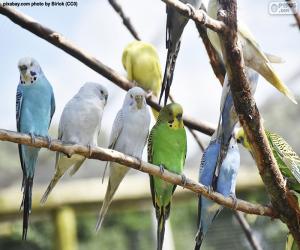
183,180
49,139
32,137
140,163
90,149
235,202
161,169
209,189
149,94
191,9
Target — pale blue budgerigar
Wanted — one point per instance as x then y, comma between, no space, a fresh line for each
226,182
80,123
129,135
228,117
35,107
174,28
253,56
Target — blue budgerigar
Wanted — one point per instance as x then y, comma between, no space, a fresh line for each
35,107
226,182
228,117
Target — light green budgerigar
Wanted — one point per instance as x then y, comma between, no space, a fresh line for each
288,162
141,61
254,57
167,148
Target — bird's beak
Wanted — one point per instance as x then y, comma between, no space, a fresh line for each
139,101
23,71
106,97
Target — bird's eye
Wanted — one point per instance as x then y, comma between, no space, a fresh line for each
102,92
131,96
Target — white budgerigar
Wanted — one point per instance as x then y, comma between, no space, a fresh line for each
80,123
129,136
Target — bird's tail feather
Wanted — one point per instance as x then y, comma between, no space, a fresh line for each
26,204
169,71
271,76
111,190
199,239
52,184
162,214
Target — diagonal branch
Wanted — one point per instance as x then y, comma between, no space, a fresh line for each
282,200
126,21
293,6
61,42
115,156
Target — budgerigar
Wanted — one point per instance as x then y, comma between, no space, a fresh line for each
254,57
288,162
287,159
141,61
129,136
226,182
174,28
80,123
228,117
35,107
167,148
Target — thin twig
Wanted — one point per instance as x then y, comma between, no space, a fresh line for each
61,42
126,20
247,230
104,154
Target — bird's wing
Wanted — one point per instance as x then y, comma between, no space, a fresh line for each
116,129
150,158
286,153
19,99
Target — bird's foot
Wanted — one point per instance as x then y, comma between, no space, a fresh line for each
183,180
191,10
89,146
210,189
32,137
49,139
235,202
140,167
161,169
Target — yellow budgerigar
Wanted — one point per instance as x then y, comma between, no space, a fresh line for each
141,61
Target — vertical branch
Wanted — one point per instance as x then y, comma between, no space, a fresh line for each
126,21
282,200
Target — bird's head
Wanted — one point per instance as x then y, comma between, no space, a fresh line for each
95,89
29,69
240,136
135,98
172,114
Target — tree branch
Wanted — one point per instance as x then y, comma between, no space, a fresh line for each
126,21
282,200
61,42
292,5
115,156
214,57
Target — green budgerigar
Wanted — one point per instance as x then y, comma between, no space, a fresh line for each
288,162
167,148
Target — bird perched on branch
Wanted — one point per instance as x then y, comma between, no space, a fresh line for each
228,117
254,57
226,182
288,162
174,28
35,106
167,148
80,123
129,136
141,61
